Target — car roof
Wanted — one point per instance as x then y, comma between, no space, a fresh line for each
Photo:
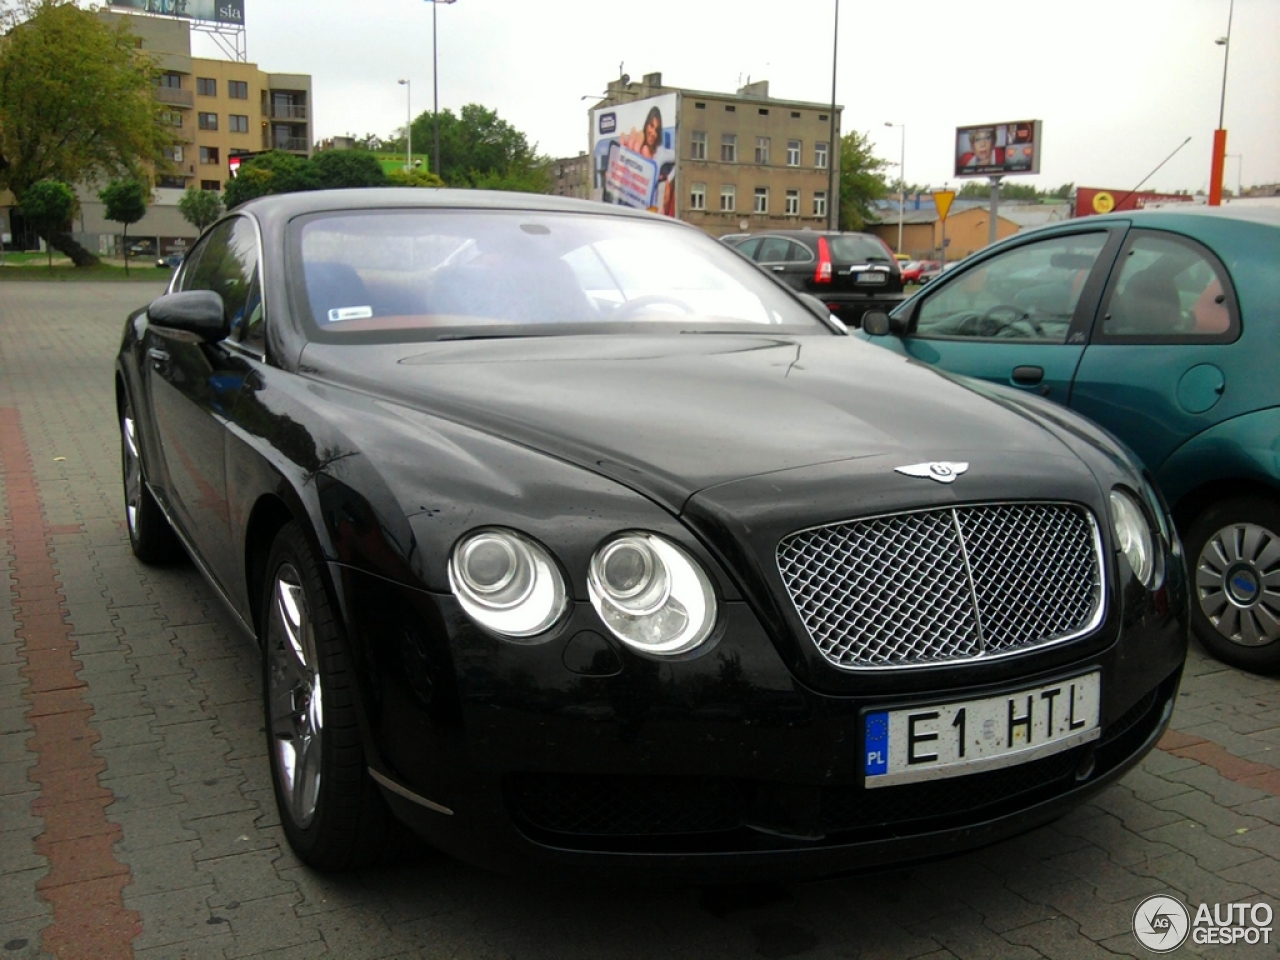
286,206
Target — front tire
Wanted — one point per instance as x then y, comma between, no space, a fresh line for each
331,811
1235,546
150,536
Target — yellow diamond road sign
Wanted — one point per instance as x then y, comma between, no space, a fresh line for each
943,199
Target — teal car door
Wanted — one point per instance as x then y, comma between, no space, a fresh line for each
1156,368
1019,317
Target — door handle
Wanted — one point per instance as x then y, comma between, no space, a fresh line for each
778,269
1028,376
158,355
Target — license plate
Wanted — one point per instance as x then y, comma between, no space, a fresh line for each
870,277
952,739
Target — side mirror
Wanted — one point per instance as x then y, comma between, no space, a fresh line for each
198,312
875,323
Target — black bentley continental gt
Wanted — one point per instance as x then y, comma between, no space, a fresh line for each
571,539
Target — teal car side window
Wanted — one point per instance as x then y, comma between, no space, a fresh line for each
1168,289
1029,293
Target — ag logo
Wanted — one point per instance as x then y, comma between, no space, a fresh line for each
1161,923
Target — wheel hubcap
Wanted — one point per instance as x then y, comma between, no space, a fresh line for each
132,472
1238,584
293,696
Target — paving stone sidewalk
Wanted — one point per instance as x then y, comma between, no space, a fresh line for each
136,816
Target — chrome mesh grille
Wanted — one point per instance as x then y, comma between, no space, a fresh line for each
944,585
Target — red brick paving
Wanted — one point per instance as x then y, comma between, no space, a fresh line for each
85,879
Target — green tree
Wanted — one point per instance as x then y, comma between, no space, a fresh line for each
417,177
126,203
273,172
76,105
480,149
862,181
348,168
199,207
48,205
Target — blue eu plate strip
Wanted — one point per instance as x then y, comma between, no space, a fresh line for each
877,755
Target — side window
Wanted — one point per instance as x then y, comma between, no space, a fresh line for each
1167,288
1028,293
798,252
772,250
226,262
748,248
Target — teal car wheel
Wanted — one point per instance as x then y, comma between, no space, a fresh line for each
1236,546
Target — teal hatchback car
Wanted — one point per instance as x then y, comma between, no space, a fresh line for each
1164,327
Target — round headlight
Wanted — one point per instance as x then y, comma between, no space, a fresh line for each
1134,537
651,594
506,582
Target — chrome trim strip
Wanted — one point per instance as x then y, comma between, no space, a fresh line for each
407,793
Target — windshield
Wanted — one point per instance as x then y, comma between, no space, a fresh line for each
415,274
853,246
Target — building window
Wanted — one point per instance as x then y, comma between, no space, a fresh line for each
239,123
208,121
698,196
729,148
730,108
214,185
171,183
209,155
764,112
699,106
206,86
699,151
793,153
793,203
171,80
795,114
762,150
820,156
173,154
820,203
822,118
238,89
171,118
762,200
728,197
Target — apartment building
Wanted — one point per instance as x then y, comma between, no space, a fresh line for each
215,109
746,161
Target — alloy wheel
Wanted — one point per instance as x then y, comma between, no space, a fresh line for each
1238,583
132,472
293,696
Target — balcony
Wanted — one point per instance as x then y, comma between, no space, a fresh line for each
288,111
172,95
294,144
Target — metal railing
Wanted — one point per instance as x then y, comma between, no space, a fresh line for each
288,111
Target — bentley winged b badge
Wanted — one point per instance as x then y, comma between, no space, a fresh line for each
943,471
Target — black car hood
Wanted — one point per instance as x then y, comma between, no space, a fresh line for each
670,415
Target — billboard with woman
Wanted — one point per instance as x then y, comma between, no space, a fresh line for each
633,153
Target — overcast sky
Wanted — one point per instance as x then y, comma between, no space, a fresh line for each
1119,84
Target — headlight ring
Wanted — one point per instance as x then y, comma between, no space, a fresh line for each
1136,538
507,582
651,595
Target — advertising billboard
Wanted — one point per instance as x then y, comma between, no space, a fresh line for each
1091,200
633,154
997,149
217,11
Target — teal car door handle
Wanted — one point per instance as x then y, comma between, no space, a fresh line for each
1028,376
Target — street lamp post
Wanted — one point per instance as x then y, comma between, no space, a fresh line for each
1220,135
902,179
408,123
833,148
435,84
